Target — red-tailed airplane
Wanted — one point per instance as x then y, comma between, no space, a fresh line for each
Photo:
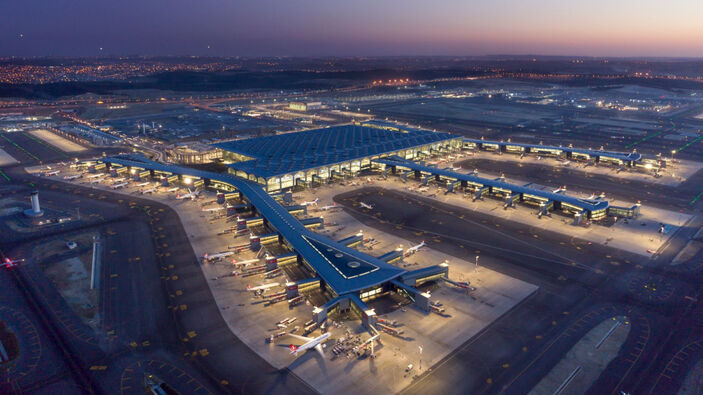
9,263
310,343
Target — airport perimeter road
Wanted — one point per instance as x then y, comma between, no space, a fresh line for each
575,179
159,314
515,352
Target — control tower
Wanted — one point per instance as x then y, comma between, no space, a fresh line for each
35,211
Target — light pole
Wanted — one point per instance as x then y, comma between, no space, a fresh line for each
420,348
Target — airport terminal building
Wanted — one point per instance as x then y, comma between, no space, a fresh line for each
261,169
317,156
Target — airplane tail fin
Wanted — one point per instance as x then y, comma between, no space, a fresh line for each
293,348
248,286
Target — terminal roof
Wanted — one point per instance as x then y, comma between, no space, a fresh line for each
298,151
343,268
585,204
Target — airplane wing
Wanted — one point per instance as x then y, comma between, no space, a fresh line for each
318,348
303,338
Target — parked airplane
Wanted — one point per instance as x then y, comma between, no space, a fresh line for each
456,168
414,248
368,206
73,177
330,207
9,263
119,185
96,175
95,180
245,263
119,179
211,209
52,173
560,189
143,184
217,257
148,190
174,189
273,273
192,195
312,203
310,343
262,287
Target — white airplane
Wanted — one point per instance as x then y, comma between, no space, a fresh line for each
211,209
262,287
52,173
148,190
95,180
366,205
456,168
119,185
143,184
567,163
192,195
560,189
9,263
330,207
423,189
73,177
96,175
119,179
174,189
414,248
593,196
310,343
245,263
217,257
312,203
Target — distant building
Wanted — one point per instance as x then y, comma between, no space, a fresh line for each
299,106
87,134
194,153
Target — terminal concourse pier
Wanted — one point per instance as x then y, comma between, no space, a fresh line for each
350,276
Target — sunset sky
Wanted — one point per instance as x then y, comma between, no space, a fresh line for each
358,27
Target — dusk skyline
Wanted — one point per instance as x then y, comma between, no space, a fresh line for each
362,28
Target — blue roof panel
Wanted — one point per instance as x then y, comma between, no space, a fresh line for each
292,152
335,263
